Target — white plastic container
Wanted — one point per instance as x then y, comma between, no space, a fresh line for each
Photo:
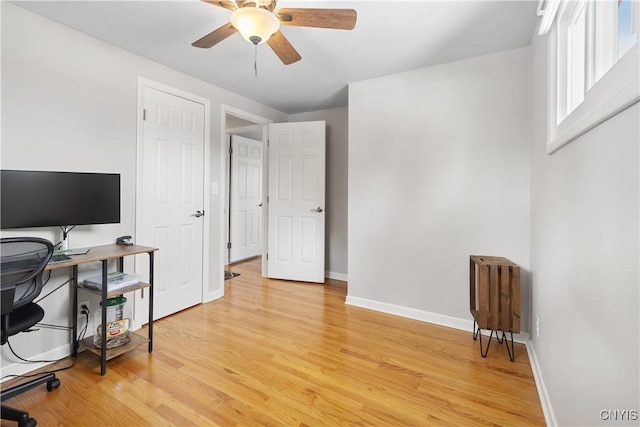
118,323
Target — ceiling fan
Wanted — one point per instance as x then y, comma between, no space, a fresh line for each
257,22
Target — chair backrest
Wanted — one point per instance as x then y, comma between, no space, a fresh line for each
22,262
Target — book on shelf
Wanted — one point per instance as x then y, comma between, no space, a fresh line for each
115,280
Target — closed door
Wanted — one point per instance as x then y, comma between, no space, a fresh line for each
245,237
296,201
171,197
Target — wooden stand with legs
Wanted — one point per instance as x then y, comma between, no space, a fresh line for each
494,299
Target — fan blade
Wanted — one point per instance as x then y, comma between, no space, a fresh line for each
215,36
285,51
227,4
341,19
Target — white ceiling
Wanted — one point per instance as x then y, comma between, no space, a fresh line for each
389,37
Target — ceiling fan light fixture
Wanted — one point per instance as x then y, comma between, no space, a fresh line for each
255,24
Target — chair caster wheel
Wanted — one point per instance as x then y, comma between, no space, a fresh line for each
27,422
53,384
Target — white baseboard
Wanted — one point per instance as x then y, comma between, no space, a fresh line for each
424,316
336,276
411,313
11,367
545,401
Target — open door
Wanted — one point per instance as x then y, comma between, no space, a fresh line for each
245,205
296,200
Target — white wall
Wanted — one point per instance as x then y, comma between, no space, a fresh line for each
438,170
585,262
69,103
337,120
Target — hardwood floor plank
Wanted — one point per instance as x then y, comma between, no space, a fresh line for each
280,353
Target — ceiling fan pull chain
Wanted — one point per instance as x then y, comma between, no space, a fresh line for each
255,60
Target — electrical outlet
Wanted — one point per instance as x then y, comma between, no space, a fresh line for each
537,327
84,321
83,303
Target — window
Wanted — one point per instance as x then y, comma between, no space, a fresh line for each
593,63
571,47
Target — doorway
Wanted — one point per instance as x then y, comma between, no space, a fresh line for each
293,194
241,125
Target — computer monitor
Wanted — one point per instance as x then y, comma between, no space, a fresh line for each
64,199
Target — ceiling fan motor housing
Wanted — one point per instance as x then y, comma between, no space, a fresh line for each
256,22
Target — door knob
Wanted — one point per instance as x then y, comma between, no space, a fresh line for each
318,209
198,214
260,205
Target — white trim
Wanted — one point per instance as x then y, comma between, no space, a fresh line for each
336,276
424,316
591,113
543,394
17,367
548,15
206,245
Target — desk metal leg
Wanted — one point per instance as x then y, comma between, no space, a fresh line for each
103,327
74,283
150,302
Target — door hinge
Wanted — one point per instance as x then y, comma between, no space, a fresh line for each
230,150
229,245
144,114
268,142
267,256
267,199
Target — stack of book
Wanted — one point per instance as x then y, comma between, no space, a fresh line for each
115,280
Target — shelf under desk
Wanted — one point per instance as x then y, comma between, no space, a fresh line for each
104,254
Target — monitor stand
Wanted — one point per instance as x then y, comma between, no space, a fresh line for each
64,243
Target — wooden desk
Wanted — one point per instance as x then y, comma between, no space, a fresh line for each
104,254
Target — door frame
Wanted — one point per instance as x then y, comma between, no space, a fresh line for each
224,165
143,83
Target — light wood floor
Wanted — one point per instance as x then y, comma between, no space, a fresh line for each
289,354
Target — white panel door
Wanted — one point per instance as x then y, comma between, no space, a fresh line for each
245,207
172,192
296,201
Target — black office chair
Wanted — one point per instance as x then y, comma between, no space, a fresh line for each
22,262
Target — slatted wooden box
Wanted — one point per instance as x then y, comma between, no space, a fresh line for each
494,293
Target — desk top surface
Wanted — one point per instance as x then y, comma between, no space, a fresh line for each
101,253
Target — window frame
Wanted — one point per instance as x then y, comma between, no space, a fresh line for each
615,91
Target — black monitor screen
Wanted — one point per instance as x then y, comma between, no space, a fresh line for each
42,199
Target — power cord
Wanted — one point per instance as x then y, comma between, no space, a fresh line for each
53,290
85,311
